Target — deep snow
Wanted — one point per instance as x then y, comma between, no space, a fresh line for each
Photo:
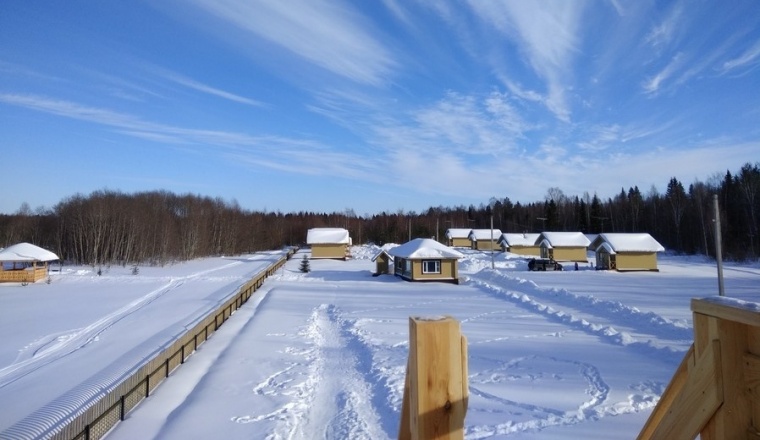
555,355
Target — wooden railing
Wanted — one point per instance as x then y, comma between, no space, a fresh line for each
95,421
715,392
29,275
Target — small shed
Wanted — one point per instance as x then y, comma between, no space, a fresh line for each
424,259
458,237
329,243
623,252
484,239
563,246
520,244
383,262
24,263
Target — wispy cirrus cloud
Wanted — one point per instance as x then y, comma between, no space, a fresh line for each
204,88
460,125
327,34
653,84
276,152
663,33
749,58
550,54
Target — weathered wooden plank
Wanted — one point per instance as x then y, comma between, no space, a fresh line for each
698,400
436,381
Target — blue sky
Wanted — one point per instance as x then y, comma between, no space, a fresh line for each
375,106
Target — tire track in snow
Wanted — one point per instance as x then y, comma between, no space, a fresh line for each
499,285
335,399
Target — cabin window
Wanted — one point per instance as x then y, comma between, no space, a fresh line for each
431,266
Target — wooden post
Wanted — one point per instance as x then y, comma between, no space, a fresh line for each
435,392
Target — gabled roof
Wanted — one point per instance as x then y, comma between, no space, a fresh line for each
327,236
634,242
424,248
518,239
563,239
457,233
26,252
484,234
384,250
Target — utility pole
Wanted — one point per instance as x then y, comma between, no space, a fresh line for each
718,246
493,265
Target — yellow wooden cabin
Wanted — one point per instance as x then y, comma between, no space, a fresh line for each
330,243
458,237
424,259
520,244
624,252
563,246
484,239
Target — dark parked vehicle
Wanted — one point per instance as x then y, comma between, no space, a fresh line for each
543,264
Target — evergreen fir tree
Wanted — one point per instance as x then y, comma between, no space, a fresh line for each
305,265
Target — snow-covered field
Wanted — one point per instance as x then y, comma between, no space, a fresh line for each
552,355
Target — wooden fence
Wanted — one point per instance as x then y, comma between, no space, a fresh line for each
113,407
715,392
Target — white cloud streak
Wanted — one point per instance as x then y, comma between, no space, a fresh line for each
281,153
547,33
327,34
750,57
195,85
652,85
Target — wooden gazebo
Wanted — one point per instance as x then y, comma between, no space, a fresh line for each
24,263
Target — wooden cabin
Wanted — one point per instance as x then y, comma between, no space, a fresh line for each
458,237
484,239
424,259
331,243
624,252
520,244
25,263
563,246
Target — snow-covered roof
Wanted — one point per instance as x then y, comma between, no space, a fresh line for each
634,242
26,252
424,248
457,233
484,234
327,236
563,239
384,250
518,239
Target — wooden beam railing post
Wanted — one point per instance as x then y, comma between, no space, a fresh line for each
715,393
435,391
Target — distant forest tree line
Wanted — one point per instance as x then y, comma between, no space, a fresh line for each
111,227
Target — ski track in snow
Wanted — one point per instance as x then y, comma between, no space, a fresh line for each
50,348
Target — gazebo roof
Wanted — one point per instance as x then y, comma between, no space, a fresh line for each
26,252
